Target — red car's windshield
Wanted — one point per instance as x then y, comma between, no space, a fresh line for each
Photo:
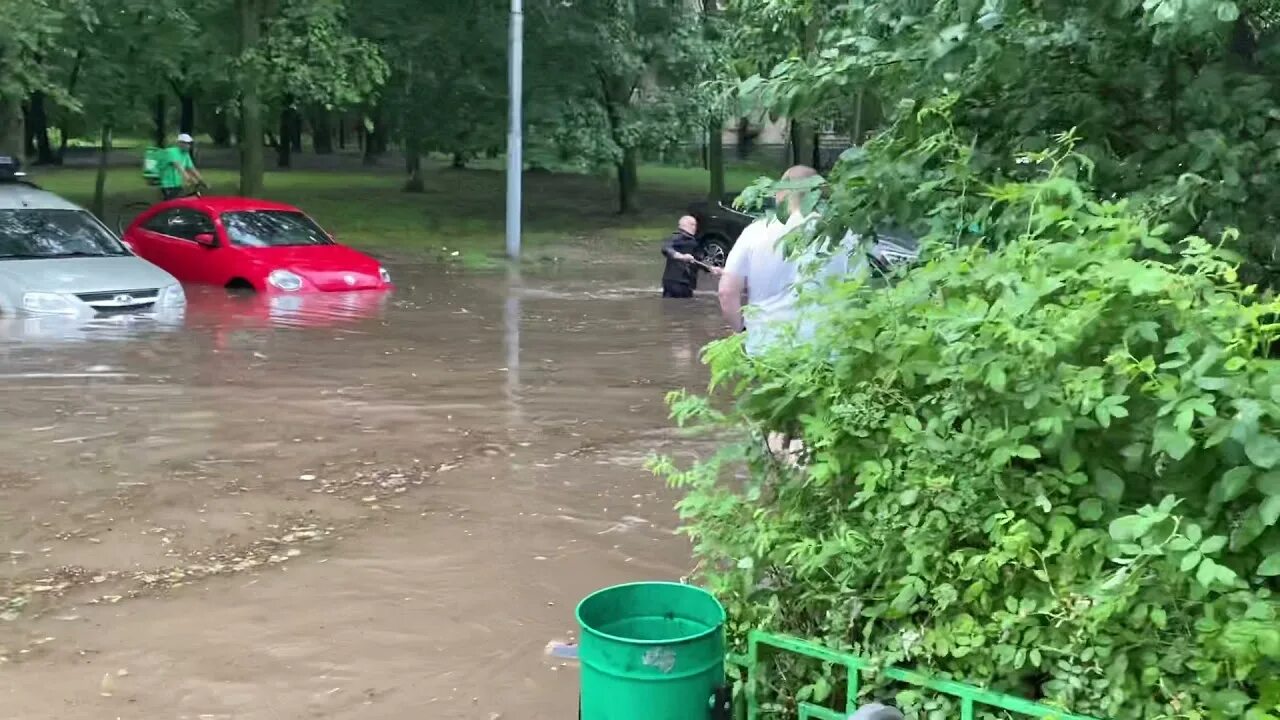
272,228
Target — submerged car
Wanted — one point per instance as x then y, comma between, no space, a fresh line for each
57,259
720,223
246,244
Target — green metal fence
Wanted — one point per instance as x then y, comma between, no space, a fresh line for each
970,697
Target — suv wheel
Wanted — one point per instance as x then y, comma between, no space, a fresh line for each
714,251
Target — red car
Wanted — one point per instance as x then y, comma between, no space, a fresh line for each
241,243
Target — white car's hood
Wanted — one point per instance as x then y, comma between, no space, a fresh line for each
77,275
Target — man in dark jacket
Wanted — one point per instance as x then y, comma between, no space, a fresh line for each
681,275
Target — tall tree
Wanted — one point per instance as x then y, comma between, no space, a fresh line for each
302,50
618,77
715,128
31,48
124,51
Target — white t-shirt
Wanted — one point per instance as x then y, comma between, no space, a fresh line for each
758,257
772,291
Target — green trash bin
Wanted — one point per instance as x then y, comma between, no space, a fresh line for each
651,651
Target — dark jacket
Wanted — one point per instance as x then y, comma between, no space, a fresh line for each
677,273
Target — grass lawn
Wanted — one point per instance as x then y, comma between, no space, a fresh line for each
460,210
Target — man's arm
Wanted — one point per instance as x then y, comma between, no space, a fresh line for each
193,175
669,249
733,277
732,286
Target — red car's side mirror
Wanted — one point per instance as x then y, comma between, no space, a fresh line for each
207,240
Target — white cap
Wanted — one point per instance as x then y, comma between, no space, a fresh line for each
185,138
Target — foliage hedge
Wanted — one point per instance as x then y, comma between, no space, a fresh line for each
1045,461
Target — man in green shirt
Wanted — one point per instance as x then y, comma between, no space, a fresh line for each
177,168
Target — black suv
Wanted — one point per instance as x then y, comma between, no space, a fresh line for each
719,225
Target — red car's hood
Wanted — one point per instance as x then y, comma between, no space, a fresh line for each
314,258
327,268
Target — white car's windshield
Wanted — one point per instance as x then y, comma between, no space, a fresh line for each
272,228
27,234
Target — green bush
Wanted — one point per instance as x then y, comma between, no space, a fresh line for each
1047,464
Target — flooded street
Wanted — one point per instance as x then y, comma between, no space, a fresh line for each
369,507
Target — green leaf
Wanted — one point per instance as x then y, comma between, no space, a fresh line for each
1176,443
1129,527
1109,485
1263,450
1146,279
1207,574
1269,510
1269,483
1270,567
1227,12
1091,510
1159,617
996,378
1250,529
1233,482
1213,544
1027,452
1189,561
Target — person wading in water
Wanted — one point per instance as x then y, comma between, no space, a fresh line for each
681,274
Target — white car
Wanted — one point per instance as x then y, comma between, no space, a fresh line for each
57,259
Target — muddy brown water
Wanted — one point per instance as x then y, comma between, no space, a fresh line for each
363,508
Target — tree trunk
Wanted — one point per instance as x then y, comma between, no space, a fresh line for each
802,145
715,159
251,152
858,110
161,120
11,133
803,134
100,183
65,128
28,136
715,130
375,140
322,132
628,181
745,138
459,161
342,132
284,148
187,114
220,130
413,163
37,130
295,129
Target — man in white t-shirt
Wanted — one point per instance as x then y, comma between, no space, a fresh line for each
758,266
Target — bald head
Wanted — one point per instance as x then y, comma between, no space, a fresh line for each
794,199
799,172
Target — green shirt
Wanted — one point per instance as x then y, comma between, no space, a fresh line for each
170,176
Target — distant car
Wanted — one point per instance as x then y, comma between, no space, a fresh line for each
245,244
720,224
57,259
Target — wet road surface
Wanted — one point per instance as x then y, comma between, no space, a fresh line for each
374,507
